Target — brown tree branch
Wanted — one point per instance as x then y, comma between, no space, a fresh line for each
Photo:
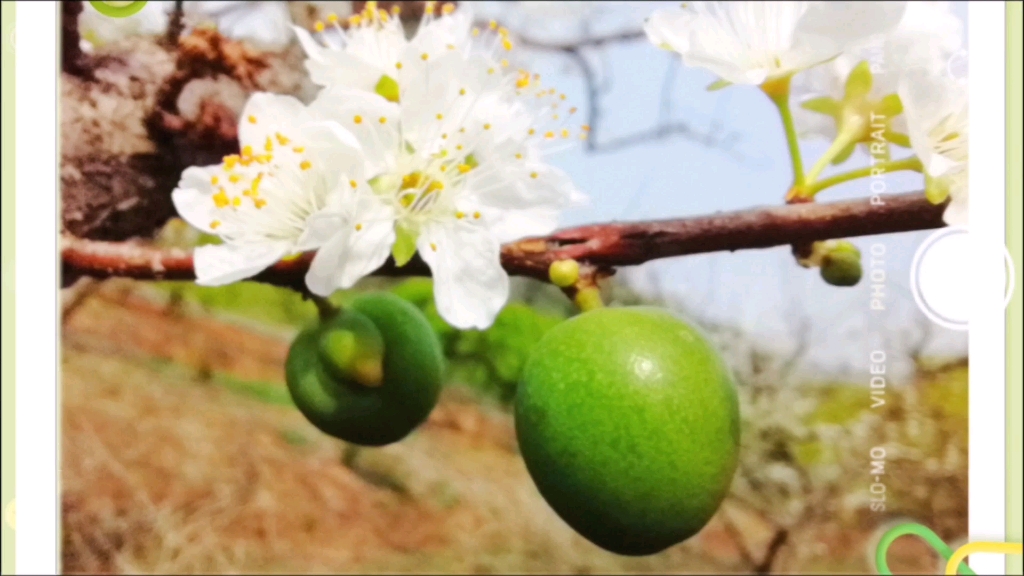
602,246
72,60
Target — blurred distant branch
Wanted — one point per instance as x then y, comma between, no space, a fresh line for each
72,59
602,246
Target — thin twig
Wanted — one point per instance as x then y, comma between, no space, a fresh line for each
601,246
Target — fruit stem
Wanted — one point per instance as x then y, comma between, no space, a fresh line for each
324,306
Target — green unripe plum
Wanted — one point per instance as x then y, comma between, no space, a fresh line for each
628,422
371,374
841,265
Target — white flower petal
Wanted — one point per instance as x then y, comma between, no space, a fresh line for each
192,197
936,109
360,113
361,243
470,286
670,28
226,263
336,68
266,114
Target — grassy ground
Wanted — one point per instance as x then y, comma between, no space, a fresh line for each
181,453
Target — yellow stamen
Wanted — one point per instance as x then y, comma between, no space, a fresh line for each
433,247
215,224
252,119
493,25
383,120
429,8
424,56
358,119
448,8
532,132
359,227
269,145
533,175
234,178
462,92
398,65
236,201
259,202
435,186
306,165
220,199
247,151
506,44
319,26
476,32
460,215
353,183
549,134
282,139
214,180
440,116
463,168
504,63
519,156
230,161
476,215
332,18
299,149
396,10
487,126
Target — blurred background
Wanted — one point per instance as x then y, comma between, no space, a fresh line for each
182,452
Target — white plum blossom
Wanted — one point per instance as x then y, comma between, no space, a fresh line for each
936,106
453,164
258,202
927,38
753,42
374,46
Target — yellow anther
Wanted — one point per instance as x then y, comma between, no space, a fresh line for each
444,136
506,44
236,201
462,91
573,110
463,168
355,20
561,96
264,158
230,161
554,116
435,186
462,130
215,224
359,227
282,139
398,65
450,46
234,178
383,120
319,26
407,199
504,63
519,156
384,17
429,8
487,126
412,180
440,116
306,165
252,119
220,199
503,31
533,175
396,10
490,70
353,183
492,25
259,202
565,133
247,151
476,32
332,18
476,215
585,128
358,119
448,8
549,134
458,147
299,149
424,56
531,132
269,145
214,180
443,168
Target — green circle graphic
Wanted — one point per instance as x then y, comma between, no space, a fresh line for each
117,9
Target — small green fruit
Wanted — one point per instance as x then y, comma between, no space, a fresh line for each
628,422
371,374
841,265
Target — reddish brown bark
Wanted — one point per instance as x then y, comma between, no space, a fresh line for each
602,246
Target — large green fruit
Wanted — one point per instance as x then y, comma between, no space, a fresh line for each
628,422
371,374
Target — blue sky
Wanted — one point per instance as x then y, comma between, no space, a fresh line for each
764,290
